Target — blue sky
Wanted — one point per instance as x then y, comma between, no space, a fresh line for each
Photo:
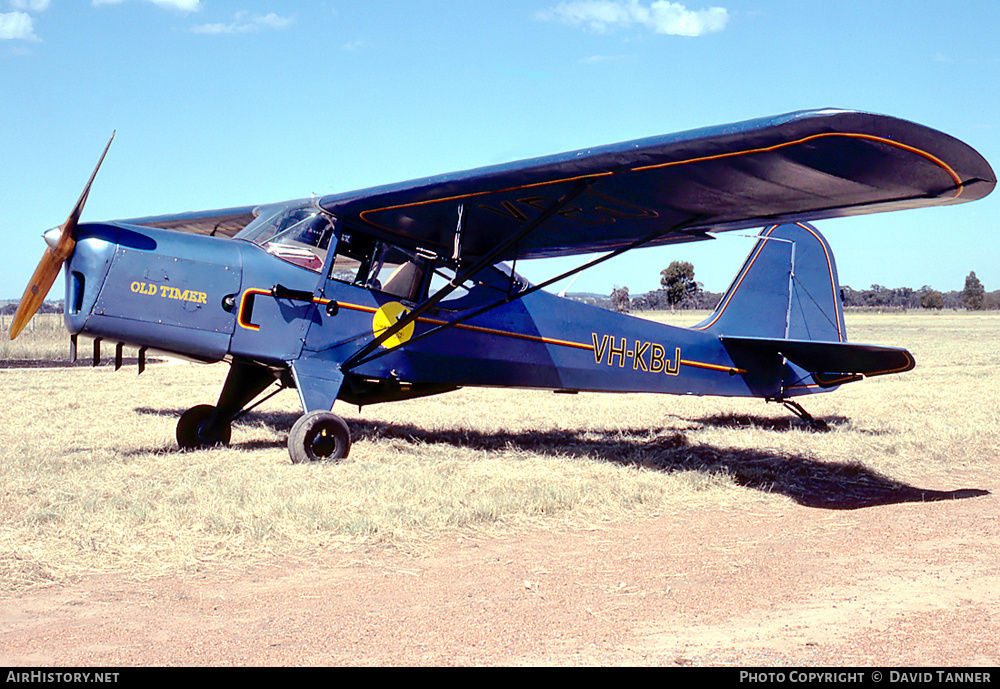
221,103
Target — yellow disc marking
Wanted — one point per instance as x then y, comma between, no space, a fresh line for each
386,316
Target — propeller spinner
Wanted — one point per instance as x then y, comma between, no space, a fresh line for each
60,249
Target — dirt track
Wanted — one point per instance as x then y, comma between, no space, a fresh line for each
902,584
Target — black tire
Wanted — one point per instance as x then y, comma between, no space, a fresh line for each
319,436
193,430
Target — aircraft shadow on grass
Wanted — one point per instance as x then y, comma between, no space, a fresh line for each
807,481
823,424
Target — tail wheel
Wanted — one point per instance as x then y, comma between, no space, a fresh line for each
193,429
319,436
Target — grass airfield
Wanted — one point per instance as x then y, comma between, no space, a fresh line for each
93,480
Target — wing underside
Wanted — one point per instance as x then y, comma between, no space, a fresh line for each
670,189
218,223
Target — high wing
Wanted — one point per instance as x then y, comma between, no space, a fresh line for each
218,223
805,165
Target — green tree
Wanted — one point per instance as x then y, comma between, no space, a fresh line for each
932,300
620,300
678,282
974,295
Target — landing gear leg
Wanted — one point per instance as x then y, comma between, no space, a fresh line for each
205,425
796,408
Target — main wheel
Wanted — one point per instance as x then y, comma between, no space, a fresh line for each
193,430
319,436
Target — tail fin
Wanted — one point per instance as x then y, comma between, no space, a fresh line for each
784,306
786,289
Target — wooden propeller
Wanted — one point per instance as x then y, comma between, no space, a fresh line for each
53,258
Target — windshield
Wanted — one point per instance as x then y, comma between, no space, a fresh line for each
298,235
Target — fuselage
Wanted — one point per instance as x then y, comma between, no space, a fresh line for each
212,299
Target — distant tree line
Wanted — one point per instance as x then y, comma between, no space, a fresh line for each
10,308
972,297
679,290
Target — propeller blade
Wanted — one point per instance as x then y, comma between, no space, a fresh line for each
45,274
74,217
48,268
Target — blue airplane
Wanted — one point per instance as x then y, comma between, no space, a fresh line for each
408,290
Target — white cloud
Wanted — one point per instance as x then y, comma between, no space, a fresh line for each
180,5
273,21
599,59
30,5
660,16
246,23
17,26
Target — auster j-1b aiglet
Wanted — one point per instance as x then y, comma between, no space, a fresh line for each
408,289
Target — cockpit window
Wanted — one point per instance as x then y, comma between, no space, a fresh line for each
355,253
300,236
497,282
364,261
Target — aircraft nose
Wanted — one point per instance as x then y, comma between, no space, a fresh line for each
86,272
52,237
146,286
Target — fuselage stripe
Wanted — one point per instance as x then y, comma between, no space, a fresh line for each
713,367
471,328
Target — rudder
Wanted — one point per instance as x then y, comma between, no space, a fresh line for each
787,289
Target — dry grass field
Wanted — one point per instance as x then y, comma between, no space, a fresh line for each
92,479
93,484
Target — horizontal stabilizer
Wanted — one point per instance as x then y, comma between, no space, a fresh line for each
830,360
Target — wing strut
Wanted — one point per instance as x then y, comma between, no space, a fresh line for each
484,261
457,253
354,362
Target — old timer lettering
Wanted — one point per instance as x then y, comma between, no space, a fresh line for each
642,356
168,292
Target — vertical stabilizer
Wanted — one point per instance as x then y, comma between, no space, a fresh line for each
786,289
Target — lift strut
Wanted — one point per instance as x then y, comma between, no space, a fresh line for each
358,359
486,260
